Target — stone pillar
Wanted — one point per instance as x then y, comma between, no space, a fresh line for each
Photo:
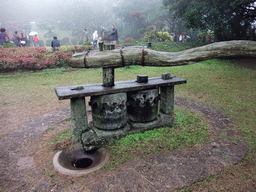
78,118
167,100
108,76
101,45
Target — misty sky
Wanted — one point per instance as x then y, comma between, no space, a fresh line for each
38,10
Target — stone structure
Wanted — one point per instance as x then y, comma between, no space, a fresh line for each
120,108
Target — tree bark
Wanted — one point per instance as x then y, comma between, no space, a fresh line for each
148,57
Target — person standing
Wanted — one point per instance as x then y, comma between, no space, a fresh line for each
209,38
23,40
28,38
180,38
36,41
95,38
86,36
3,36
16,39
114,35
55,43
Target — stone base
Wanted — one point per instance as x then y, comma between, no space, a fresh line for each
102,137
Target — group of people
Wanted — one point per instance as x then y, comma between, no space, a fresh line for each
183,37
95,37
20,40
203,38
180,38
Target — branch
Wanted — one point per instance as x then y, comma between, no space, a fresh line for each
147,57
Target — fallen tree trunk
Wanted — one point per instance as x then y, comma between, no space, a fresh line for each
148,57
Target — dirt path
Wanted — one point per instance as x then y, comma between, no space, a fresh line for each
22,170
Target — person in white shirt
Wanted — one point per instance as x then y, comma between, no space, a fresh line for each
95,38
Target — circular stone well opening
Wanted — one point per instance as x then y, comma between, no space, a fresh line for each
82,163
79,162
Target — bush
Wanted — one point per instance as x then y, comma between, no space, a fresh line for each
35,58
128,40
87,43
32,58
65,40
8,45
160,36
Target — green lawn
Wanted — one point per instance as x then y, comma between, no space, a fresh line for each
218,83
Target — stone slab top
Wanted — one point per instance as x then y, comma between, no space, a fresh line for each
78,91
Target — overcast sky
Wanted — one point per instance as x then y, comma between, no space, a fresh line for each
30,10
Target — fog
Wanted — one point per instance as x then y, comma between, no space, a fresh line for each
75,15
48,10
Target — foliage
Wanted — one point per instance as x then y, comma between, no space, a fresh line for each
87,43
137,16
36,57
65,40
128,40
8,45
159,36
163,36
170,46
228,19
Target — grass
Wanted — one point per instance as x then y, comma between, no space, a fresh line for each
188,129
218,82
168,46
65,135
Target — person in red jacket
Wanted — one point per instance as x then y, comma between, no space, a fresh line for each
36,41
209,38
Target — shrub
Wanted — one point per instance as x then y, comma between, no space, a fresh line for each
65,40
8,45
128,40
87,43
37,57
158,36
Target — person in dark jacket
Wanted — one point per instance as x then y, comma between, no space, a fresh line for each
55,43
3,36
23,40
16,39
114,35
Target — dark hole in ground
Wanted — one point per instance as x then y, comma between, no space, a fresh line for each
82,163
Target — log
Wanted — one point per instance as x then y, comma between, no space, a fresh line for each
147,57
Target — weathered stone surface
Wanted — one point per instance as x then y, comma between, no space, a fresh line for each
167,100
78,118
147,57
68,92
143,105
109,111
108,77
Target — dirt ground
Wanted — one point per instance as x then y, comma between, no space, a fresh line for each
26,158
26,155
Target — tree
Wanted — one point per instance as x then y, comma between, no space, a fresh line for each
137,16
229,19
